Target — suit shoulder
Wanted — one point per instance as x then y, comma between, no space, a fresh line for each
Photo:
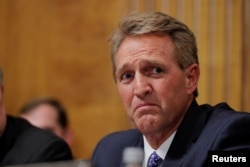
225,122
123,136
29,132
109,149
119,140
223,112
39,145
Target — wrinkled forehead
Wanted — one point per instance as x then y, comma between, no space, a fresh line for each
135,47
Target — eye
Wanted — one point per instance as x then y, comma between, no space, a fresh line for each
126,76
157,70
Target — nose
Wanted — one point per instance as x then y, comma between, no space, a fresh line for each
142,87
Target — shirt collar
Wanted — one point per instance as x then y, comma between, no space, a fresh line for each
161,151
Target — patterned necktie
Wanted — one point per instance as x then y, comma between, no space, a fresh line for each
154,160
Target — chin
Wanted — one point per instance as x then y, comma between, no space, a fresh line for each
146,127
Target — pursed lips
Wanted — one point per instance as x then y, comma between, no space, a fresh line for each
144,105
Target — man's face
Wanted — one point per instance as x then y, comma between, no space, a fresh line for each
155,91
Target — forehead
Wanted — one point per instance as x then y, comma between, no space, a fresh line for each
145,47
43,116
44,111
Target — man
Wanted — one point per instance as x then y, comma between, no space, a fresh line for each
155,66
22,143
49,114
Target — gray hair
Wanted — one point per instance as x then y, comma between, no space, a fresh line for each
157,23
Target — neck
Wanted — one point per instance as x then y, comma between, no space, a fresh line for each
155,140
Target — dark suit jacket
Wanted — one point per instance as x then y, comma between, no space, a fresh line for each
204,128
23,143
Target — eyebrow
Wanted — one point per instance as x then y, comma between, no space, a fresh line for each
118,70
142,62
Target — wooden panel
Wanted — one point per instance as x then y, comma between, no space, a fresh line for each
201,30
59,48
216,50
233,41
246,56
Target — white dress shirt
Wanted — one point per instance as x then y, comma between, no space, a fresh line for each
161,151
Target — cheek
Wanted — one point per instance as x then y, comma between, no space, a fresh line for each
126,94
169,89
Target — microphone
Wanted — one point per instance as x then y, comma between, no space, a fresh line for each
133,157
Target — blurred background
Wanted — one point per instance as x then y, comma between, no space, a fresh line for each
58,48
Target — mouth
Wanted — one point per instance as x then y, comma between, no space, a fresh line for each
144,107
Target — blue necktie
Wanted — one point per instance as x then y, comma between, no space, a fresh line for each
154,160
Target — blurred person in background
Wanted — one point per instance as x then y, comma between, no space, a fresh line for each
23,143
48,114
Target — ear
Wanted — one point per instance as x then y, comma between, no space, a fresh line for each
192,73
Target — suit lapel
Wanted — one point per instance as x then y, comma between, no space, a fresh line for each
187,134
